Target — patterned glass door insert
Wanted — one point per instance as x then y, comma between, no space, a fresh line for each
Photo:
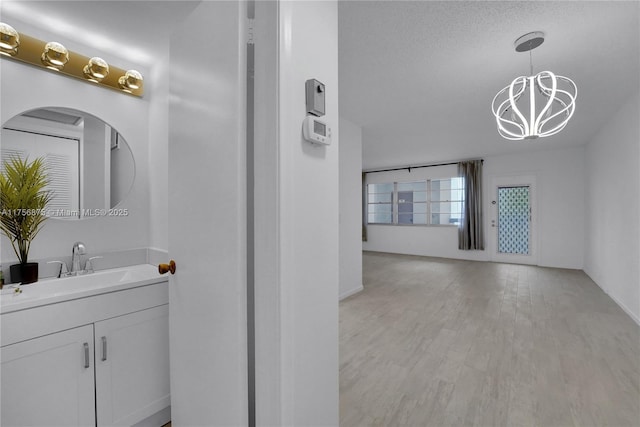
514,217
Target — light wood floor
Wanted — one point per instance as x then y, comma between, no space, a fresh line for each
434,342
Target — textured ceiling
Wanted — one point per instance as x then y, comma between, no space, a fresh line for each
419,77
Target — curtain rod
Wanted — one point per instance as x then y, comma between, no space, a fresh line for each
416,167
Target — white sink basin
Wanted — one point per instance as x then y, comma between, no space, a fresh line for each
49,291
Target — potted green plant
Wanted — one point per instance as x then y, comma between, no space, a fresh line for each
23,199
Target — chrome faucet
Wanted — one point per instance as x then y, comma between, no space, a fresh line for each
76,254
62,271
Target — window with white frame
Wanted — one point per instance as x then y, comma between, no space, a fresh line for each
428,202
446,200
412,202
380,203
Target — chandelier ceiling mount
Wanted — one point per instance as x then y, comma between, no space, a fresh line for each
529,41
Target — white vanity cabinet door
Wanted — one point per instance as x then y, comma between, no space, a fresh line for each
132,372
49,381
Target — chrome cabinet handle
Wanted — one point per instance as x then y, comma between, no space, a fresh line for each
86,355
104,349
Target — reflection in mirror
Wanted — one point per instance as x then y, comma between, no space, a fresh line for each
90,165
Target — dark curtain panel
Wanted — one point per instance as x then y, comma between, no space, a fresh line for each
364,207
470,230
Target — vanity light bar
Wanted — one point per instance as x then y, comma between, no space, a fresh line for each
50,56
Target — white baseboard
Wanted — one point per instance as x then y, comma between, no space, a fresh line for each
158,419
624,308
351,292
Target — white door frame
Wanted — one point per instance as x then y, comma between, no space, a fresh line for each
513,181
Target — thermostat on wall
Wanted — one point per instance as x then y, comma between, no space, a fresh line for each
316,131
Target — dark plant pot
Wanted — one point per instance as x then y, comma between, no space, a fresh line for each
25,273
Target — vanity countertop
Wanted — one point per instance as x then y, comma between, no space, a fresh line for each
51,291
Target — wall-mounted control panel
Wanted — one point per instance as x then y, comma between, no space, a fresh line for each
315,97
316,131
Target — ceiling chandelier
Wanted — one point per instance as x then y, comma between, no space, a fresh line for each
536,106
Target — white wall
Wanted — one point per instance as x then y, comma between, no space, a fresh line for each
350,208
23,88
612,229
309,200
560,195
560,188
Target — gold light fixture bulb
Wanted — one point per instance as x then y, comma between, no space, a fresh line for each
9,40
96,69
55,56
131,80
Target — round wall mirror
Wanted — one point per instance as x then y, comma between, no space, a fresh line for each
90,167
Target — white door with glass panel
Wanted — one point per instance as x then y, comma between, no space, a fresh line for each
512,233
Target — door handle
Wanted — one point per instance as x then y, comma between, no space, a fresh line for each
86,355
166,268
104,349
